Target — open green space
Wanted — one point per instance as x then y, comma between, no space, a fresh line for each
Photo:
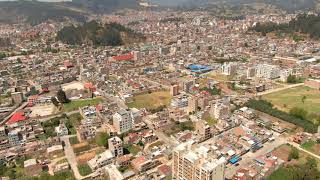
151,101
178,127
133,149
302,97
73,140
76,104
84,169
218,76
211,121
267,107
311,146
298,166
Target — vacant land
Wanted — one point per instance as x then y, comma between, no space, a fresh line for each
311,146
290,98
76,104
152,100
283,152
218,77
43,110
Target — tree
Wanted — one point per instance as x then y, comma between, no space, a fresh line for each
294,154
292,79
55,101
299,113
101,139
303,98
62,97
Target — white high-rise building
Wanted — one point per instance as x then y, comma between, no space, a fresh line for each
122,121
196,164
115,146
229,69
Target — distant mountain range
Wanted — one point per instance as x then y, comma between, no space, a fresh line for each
35,12
288,5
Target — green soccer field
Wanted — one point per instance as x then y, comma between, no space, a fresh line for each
293,97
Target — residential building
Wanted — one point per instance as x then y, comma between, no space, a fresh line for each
192,104
196,164
122,121
61,130
101,160
268,71
203,130
115,146
174,90
17,97
229,69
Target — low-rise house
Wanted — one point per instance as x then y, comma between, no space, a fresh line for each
32,168
101,160
61,130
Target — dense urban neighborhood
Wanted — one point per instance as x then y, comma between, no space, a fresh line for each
161,95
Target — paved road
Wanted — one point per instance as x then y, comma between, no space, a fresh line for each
53,163
279,89
71,156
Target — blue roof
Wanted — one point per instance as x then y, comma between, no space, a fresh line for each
234,160
199,68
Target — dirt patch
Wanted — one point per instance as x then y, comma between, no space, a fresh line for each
282,152
85,157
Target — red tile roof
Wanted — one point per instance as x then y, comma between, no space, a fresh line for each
139,160
164,169
124,57
89,86
17,117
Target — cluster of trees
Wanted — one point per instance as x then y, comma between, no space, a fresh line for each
213,91
2,55
292,79
158,109
97,34
294,154
308,170
266,107
303,23
61,98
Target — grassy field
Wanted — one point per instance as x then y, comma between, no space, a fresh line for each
311,146
211,121
218,77
152,100
74,105
84,169
290,98
133,149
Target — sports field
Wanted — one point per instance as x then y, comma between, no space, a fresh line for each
152,100
293,97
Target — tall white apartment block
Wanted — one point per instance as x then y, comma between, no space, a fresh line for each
122,121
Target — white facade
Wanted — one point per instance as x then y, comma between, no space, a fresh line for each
284,74
268,71
229,69
115,146
122,121
196,164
